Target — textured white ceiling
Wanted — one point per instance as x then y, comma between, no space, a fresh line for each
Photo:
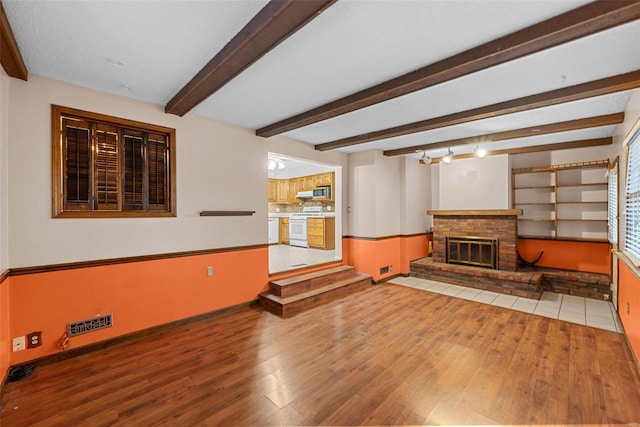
162,44
350,46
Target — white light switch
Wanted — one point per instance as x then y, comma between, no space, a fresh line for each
209,271
19,343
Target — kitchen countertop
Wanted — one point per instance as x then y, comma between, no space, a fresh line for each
290,214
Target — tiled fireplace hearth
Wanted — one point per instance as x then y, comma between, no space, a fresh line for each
499,224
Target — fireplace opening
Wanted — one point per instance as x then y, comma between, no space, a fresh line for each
470,250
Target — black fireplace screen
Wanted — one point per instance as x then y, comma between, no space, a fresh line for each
476,251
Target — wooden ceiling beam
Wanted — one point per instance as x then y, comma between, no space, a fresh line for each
591,89
10,56
278,20
589,122
574,24
536,148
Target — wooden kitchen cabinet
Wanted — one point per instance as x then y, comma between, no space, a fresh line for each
283,191
272,192
284,231
327,178
308,183
293,190
321,233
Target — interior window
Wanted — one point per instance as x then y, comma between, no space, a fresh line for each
109,167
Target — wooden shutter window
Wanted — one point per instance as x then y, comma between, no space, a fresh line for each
77,148
111,167
133,171
157,155
106,168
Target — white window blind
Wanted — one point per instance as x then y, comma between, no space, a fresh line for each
612,205
632,199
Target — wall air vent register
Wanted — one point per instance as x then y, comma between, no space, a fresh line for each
89,325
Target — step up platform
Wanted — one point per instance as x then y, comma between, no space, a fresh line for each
290,296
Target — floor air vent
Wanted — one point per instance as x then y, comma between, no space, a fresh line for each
90,325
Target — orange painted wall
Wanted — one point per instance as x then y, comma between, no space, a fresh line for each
140,295
5,334
629,293
412,247
368,256
593,257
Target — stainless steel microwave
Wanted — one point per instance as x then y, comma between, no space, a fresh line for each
322,192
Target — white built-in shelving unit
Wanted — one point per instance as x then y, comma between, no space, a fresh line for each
567,201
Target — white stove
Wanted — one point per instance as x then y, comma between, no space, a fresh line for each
298,226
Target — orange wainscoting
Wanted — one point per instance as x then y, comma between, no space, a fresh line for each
139,294
370,255
629,296
593,257
5,334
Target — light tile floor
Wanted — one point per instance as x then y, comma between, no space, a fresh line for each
285,257
584,311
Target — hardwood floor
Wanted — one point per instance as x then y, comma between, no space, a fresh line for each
387,355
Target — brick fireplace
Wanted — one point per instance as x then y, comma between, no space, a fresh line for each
500,224
484,226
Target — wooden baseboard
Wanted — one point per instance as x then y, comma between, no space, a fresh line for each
68,354
375,282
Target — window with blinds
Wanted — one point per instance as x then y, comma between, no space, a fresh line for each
632,199
110,167
612,204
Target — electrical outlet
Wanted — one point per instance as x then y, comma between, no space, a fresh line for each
18,344
34,339
209,271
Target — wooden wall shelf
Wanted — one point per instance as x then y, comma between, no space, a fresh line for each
227,213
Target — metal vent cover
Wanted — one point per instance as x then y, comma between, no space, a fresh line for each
90,325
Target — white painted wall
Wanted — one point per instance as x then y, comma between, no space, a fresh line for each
219,167
387,195
415,196
361,199
475,183
435,187
587,154
4,170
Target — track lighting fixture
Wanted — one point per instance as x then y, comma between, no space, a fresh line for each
448,157
426,159
480,152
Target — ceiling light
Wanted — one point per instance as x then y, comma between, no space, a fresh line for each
448,157
480,152
426,159
275,163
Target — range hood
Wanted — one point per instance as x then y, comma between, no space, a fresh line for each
304,195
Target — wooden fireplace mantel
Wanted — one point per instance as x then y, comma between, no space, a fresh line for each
480,212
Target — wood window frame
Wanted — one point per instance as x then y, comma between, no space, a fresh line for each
58,114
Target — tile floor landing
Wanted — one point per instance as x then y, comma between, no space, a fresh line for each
285,257
583,311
